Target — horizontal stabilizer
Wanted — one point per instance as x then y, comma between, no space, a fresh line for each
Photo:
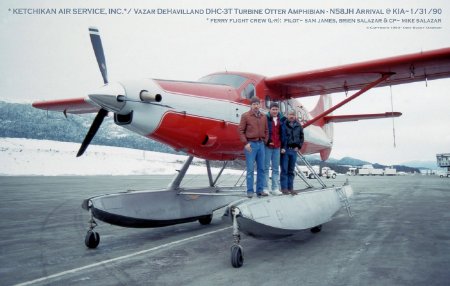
72,105
356,117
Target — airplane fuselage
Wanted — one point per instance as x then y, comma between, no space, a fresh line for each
202,118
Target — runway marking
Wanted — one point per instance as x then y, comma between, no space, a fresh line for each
120,257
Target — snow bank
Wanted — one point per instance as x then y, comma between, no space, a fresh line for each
20,157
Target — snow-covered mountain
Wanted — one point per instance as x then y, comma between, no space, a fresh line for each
23,121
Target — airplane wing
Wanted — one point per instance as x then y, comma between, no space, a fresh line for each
404,69
356,117
72,105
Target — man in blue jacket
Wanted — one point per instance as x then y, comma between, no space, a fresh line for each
292,138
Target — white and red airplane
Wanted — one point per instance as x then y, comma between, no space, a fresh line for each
201,119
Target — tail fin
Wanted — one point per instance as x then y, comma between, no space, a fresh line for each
323,104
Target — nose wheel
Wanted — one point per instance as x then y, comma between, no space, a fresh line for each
237,257
92,238
237,252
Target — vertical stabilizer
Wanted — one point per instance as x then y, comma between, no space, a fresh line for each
323,104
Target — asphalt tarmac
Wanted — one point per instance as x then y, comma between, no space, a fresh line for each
399,235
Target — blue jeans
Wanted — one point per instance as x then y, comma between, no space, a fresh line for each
272,155
257,154
288,161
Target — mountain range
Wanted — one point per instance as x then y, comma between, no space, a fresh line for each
23,121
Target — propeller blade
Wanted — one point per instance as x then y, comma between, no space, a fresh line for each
91,133
98,50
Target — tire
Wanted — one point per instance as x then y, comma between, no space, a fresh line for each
316,229
205,220
237,258
334,176
92,239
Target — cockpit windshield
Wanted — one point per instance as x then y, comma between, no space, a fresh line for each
232,80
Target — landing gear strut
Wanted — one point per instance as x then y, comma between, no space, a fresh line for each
237,253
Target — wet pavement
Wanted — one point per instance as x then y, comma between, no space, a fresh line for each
399,235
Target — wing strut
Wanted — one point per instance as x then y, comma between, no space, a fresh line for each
384,77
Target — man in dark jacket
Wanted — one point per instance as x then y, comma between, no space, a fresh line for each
291,142
253,133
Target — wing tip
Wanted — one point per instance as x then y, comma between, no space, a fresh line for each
93,30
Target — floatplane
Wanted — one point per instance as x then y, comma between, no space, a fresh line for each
201,119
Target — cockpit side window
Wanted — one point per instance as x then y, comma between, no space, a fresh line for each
249,91
232,80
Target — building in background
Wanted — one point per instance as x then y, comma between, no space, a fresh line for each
443,161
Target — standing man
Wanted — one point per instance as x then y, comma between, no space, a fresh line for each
272,149
291,142
254,133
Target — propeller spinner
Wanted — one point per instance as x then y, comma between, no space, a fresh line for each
112,96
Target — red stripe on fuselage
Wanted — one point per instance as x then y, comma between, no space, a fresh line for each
189,134
206,138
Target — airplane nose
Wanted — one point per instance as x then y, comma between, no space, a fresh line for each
109,97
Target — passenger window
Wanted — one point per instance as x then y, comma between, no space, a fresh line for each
268,101
283,108
302,115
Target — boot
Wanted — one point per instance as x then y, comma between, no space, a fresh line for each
285,192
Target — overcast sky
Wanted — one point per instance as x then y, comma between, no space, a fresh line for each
45,57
